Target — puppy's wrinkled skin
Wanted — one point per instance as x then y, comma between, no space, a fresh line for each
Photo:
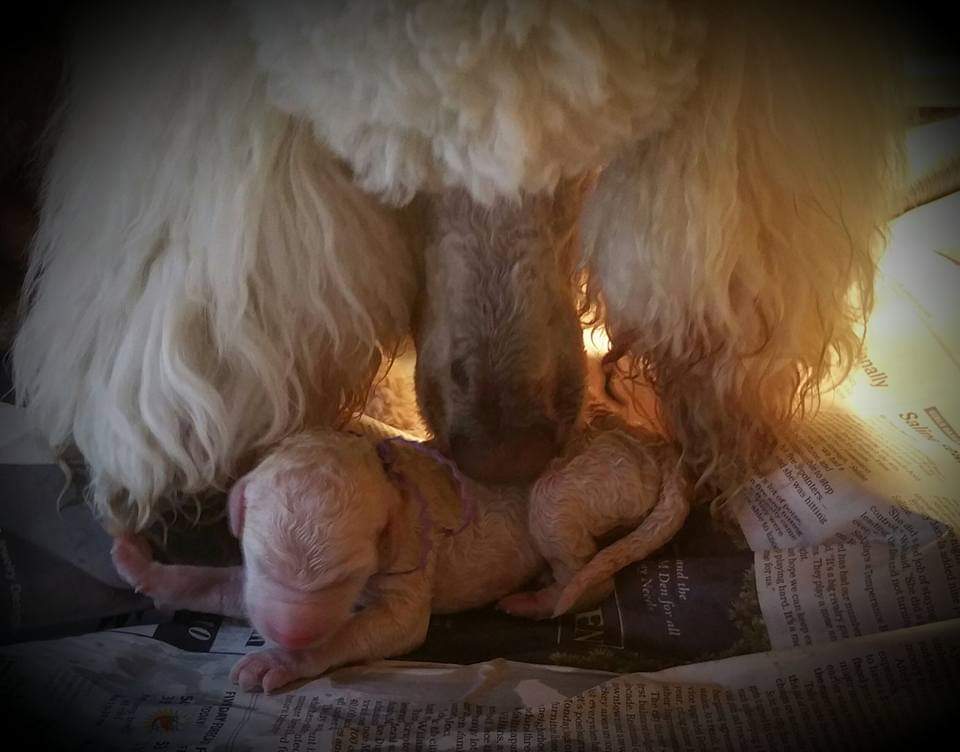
612,476
500,362
344,563
324,532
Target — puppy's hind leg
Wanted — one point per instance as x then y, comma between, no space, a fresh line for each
562,527
660,525
565,561
542,603
532,604
217,590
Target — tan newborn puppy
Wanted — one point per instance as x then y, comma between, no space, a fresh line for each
326,531
349,546
612,476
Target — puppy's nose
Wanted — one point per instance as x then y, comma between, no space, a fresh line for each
518,456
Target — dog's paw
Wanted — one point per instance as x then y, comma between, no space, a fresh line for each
133,560
269,670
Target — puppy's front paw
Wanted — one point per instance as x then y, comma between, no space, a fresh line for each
133,559
270,670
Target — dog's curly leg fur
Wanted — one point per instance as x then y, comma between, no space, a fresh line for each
206,276
220,261
732,255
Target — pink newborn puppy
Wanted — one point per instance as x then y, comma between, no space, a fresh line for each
343,564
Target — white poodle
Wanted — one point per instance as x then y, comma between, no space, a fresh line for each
229,244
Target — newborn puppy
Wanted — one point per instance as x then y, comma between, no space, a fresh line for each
344,563
349,546
612,476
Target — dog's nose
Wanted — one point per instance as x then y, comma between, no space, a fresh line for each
517,457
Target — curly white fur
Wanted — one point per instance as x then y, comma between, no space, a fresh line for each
721,252
209,276
197,287
496,97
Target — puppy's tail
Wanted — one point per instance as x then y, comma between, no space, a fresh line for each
663,522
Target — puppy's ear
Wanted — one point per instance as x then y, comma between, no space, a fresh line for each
236,506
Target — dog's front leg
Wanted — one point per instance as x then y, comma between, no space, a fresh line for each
394,624
216,590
